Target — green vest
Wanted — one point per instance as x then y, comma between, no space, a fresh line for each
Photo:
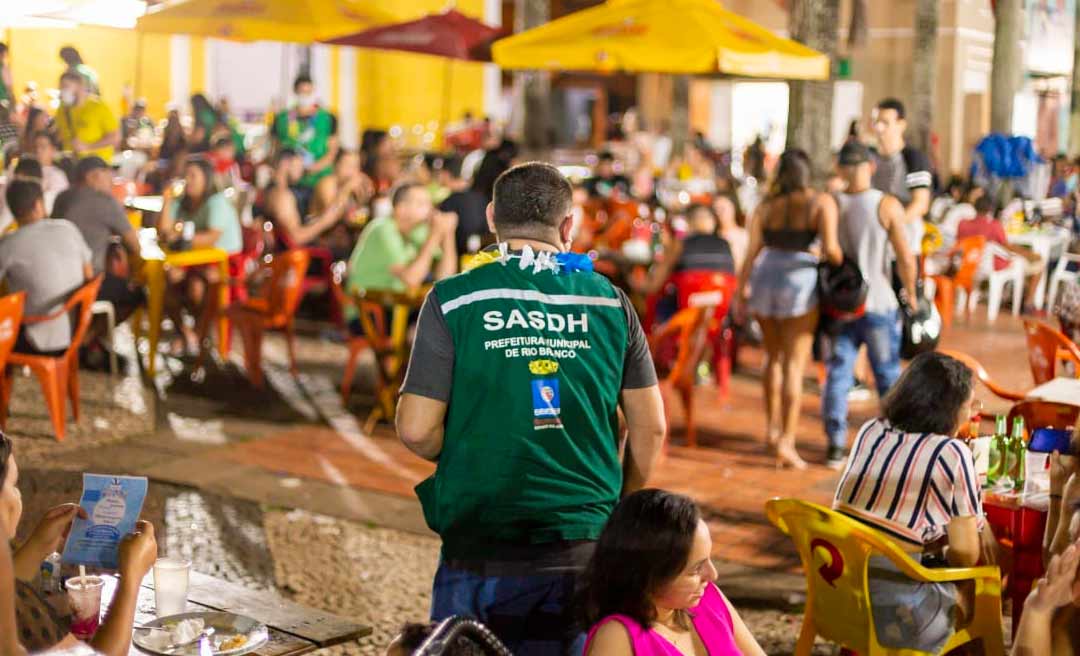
309,136
530,451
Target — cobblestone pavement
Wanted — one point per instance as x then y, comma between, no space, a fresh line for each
346,564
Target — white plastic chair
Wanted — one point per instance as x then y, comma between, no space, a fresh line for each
106,308
1062,274
996,281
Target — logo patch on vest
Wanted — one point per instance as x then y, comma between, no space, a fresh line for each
545,396
543,367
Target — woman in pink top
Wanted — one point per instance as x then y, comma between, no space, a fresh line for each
650,587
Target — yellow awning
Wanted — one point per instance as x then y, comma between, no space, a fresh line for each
660,36
303,21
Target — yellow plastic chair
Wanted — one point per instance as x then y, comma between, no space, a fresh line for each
835,552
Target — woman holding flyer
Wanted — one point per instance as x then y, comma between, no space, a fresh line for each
38,625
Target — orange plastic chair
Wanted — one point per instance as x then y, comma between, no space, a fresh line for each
370,314
971,252
11,314
835,551
274,309
1048,346
58,374
980,372
1045,414
704,297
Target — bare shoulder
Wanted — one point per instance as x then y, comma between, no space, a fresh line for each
611,639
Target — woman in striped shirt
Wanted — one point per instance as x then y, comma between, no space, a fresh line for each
909,477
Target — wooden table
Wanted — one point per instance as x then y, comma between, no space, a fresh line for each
155,262
294,629
1059,390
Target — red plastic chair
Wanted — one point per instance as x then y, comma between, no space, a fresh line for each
1045,414
60,374
317,278
357,344
971,251
275,308
704,298
980,372
1047,347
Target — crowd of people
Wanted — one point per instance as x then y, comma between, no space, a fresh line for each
560,547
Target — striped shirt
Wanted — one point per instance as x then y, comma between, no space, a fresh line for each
909,485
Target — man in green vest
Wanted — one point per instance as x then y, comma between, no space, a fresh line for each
310,130
518,372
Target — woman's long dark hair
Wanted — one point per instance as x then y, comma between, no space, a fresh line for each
204,165
928,396
494,164
793,173
644,545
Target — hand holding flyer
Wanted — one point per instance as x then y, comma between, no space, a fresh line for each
113,504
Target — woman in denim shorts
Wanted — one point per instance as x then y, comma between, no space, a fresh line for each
778,283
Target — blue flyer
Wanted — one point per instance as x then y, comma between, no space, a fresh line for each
113,504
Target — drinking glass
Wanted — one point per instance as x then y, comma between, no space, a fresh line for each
171,585
84,593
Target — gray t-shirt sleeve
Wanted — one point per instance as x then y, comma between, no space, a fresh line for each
638,369
116,219
431,365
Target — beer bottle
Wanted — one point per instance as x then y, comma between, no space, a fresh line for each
1018,455
998,446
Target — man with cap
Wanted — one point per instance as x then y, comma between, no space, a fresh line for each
518,373
102,221
870,222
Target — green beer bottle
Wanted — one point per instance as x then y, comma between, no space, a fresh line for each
1018,454
998,446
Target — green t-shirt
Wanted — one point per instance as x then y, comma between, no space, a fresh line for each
380,247
309,136
217,213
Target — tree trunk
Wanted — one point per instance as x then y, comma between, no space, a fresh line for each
1008,63
537,126
859,30
814,23
680,112
924,73
1074,112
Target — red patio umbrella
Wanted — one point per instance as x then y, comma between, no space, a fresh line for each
451,34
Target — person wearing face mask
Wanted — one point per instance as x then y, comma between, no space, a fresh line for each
85,125
651,585
311,131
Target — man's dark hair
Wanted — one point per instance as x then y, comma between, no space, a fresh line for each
928,396
303,78
644,545
452,164
72,75
605,156
285,154
984,204
22,195
895,105
70,56
401,192
29,167
414,635
530,199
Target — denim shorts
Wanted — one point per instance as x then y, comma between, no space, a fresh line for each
910,614
783,284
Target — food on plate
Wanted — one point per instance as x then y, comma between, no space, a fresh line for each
178,633
232,642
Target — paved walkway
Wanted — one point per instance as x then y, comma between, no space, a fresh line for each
295,446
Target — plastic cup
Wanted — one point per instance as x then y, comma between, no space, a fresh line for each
84,593
171,585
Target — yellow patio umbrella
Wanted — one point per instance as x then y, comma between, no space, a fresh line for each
302,21
660,36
